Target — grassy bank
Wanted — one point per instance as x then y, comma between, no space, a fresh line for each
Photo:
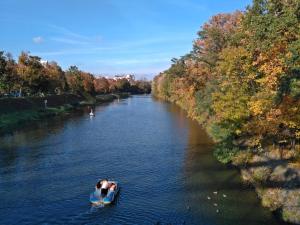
9,122
110,97
274,172
16,112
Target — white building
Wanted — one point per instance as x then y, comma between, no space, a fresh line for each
128,77
44,62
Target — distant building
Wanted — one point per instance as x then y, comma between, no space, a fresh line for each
44,62
128,77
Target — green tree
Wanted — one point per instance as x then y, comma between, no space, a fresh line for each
8,73
74,80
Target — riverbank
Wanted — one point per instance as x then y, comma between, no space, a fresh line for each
274,171
15,112
275,175
241,83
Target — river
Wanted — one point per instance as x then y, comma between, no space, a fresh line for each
162,160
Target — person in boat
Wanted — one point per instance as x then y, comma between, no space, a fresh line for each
104,186
112,187
111,190
98,187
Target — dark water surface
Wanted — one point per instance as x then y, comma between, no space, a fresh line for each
162,159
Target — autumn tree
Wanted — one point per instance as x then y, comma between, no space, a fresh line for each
101,85
33,76
242,77
8,73
74,80
31,72
56,77
122,85
87,82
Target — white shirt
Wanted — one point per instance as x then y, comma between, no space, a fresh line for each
104,185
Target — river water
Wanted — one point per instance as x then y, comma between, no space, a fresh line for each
162,160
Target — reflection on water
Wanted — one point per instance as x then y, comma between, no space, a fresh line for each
216,192
162,160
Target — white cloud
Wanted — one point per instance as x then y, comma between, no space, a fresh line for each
69,41
66,36
67,32
141,46
37,40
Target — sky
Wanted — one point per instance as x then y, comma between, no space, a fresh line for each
107,37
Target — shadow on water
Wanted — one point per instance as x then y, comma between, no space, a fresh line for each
215,192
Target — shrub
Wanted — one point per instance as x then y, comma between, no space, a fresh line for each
225,153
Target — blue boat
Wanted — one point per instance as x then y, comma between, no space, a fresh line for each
96,198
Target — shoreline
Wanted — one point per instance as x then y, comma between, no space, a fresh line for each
272,177
33,111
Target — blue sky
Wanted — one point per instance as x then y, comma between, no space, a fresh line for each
107,36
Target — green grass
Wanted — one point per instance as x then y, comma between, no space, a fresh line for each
13,120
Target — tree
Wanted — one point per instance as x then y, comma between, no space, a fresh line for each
242,77
101,85
31,73
74,80
122,85
88,82
8,77
56,77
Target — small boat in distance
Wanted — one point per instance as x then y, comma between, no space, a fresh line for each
97,198
92,113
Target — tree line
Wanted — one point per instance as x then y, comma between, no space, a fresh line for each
242,79
29,76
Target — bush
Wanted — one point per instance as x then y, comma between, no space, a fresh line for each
225,153
261,174
220,132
